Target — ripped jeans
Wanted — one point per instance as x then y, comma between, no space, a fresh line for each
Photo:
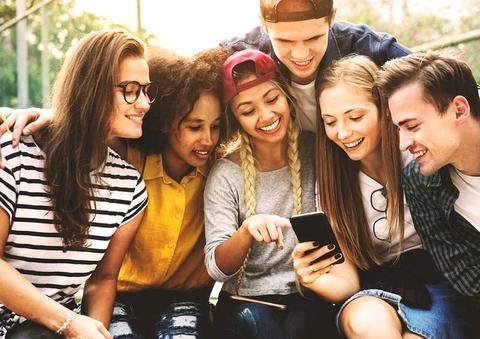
303,318
159,314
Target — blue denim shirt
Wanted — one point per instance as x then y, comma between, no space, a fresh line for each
343,39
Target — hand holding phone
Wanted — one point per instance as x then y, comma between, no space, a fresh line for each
308,268
315,227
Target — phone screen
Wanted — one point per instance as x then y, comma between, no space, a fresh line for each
315,227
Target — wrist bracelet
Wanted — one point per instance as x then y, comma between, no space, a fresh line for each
66,323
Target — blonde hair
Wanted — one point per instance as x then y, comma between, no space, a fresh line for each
240,141
337,174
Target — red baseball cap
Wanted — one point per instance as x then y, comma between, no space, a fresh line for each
265,69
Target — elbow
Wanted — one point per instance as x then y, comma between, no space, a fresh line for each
212,268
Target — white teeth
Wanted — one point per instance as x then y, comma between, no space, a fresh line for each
419,153
135,117
201,152
301,63
270,127
354,143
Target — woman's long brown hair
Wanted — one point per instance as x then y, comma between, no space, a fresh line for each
76,142
337,175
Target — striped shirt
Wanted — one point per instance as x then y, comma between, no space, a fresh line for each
34,247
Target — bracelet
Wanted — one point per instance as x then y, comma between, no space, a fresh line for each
66,323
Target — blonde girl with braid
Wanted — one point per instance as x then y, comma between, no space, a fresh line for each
266,177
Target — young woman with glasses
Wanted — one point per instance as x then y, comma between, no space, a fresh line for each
163,286
69,205
358,173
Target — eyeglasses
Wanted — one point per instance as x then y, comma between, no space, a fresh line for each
379,202
131,91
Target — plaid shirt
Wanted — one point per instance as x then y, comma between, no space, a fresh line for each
451,240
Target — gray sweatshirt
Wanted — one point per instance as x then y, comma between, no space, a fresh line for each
269,270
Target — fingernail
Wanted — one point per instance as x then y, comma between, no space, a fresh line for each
338,256
331,246
316,244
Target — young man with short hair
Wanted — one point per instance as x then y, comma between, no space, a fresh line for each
434,101
303,38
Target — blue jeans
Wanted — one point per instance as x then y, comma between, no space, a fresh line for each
303,318
31,330
160,315
450,315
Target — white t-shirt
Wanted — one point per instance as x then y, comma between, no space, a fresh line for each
375,205
305,96
468,202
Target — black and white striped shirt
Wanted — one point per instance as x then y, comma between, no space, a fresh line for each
34,247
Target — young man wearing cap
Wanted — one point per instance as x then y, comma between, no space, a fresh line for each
434,101
303,39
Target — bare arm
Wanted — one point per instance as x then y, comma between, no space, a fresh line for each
334,282
20,296
100,288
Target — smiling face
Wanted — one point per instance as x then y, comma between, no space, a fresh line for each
127,118
262,112
300,45
193,141
431,138
352,122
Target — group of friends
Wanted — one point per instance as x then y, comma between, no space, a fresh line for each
152,178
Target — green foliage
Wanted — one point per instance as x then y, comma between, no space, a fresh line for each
66,26
418,28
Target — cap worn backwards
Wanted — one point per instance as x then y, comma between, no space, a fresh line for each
265,69
294,10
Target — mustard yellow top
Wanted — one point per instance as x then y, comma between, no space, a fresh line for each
167,251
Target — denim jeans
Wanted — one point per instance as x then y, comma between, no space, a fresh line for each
31,330
450,315
303,318
160,315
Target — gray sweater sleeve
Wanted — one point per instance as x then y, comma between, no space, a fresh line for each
222,215
269,270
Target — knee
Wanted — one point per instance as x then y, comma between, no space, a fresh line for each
368,316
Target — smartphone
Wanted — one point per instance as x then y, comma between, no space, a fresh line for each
315,227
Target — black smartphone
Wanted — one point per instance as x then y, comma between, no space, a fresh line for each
315,227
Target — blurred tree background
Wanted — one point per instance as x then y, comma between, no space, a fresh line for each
66,26
413,22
